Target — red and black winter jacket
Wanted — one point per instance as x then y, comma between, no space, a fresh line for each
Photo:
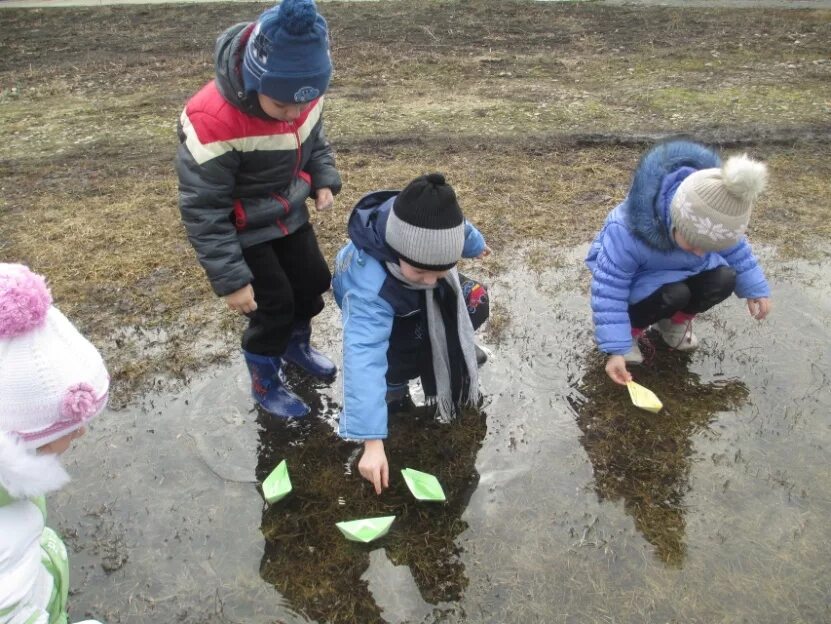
244,177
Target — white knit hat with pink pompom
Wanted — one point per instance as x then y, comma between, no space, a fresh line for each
52,379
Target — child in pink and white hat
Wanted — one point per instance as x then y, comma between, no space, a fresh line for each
52,382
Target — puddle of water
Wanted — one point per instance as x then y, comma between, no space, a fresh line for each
565,503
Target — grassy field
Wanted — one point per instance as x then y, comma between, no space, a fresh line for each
537,112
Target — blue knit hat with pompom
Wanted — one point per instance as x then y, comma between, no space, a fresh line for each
287,56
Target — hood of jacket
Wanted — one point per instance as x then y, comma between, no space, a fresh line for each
368,223
228,54
25,474
657,177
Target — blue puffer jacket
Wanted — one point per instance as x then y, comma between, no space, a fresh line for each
634,254
370,299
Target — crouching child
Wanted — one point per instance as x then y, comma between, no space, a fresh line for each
674,248
407,312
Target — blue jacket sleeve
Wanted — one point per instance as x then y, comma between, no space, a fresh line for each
750,279
614,270
367,325
474,241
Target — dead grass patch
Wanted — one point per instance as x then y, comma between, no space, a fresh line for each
495,94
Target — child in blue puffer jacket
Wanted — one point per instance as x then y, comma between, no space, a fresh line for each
407,312
675,247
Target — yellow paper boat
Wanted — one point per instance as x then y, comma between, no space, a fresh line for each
644,397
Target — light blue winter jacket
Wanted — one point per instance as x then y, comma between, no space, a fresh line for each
370,299
634,254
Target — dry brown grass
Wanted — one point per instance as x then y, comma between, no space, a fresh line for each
537,112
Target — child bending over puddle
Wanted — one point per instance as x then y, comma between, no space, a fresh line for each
52,382
407,312
675,247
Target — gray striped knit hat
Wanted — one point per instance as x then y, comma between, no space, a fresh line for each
426,227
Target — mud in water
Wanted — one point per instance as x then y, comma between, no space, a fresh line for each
565,502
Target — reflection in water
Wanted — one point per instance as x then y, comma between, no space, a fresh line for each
308,560
644,458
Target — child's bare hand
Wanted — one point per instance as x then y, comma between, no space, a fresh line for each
759,308
242,300
373,465
616,370
324,199
485,253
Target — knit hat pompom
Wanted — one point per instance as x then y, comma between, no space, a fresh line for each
435,179
744,178
24,300
426,227
295,16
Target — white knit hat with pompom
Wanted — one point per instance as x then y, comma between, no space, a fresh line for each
52,379
711,208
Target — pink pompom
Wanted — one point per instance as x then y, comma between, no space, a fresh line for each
79,402
24,300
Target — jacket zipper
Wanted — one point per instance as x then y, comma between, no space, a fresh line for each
287,209
295,174
299,152
240,218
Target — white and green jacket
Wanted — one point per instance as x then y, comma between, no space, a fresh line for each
34,569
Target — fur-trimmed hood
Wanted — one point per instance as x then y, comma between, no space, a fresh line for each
659,173
25,474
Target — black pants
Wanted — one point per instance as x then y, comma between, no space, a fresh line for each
290,275
695,294
410,342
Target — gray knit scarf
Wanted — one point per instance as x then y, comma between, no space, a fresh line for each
438,342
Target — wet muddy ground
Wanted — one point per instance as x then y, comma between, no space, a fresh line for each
565,503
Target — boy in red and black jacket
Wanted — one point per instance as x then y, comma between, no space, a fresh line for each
252,150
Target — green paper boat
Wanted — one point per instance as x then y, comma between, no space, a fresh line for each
367,529
424,486
277,484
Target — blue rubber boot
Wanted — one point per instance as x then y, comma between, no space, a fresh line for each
303,355
269,390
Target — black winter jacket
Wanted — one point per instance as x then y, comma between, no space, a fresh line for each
244,177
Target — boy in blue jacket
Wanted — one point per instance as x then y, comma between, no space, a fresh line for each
407,312
675,247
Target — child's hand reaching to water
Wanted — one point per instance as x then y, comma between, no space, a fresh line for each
616,370
759,308
485,253
373,465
